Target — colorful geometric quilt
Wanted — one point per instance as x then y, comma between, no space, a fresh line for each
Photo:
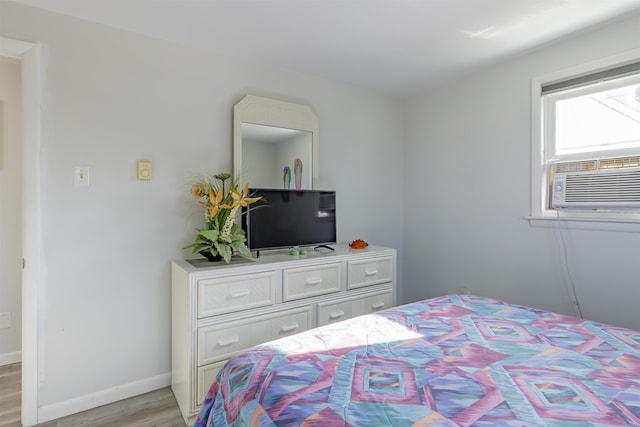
456,360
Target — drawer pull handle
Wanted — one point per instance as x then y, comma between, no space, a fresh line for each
377,305
370,273
313,282
239,294
289,328
227,343
337,315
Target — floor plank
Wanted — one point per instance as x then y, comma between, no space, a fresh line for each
10,395
154,409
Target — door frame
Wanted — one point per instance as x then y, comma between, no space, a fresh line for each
30,58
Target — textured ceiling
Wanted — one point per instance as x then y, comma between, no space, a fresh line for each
397,47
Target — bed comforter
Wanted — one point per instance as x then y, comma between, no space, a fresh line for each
456,360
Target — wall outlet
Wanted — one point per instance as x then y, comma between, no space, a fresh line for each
5,320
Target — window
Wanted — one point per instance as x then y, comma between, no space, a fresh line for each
589,127
602,119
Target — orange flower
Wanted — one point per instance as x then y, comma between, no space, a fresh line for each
197,191
214,202
243,198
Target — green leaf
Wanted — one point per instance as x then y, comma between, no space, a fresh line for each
202,247
242,249
224,250
211,235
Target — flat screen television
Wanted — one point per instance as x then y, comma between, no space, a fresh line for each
290,218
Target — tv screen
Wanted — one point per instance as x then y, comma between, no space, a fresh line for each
288,218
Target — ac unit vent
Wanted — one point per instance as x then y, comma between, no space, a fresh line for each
620,162
581,166
615,183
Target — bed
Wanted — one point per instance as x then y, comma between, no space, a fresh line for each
455,360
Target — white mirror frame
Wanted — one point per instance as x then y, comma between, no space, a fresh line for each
273,112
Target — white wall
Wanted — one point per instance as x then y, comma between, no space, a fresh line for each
10,208
467,157
112,98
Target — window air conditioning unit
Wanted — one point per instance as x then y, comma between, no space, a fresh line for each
598,183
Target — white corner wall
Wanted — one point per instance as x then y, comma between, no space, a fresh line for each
467,162
10,210
112,98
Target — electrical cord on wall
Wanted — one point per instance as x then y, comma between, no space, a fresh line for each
576,303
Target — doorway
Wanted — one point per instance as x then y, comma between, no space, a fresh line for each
28,55
10,210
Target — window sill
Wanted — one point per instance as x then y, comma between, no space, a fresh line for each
629,223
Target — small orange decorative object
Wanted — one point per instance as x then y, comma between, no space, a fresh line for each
358,244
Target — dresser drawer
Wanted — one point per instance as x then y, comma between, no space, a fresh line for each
335,311
306,282
206,375
375,302
290,323
221,341
234,293
369,272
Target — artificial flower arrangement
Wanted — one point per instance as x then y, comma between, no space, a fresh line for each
222,235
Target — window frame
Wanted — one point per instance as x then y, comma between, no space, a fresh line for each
540,213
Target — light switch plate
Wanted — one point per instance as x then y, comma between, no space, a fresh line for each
144,171
81,176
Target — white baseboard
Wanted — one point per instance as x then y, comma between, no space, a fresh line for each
103,397
9,358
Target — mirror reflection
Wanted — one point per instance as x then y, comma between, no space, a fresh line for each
275,144
275,157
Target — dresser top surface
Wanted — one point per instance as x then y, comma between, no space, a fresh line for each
313,256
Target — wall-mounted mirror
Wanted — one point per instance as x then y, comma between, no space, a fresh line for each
275,144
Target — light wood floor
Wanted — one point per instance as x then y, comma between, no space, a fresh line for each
155,409
10,387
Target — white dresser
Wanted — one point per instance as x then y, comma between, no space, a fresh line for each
219,310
